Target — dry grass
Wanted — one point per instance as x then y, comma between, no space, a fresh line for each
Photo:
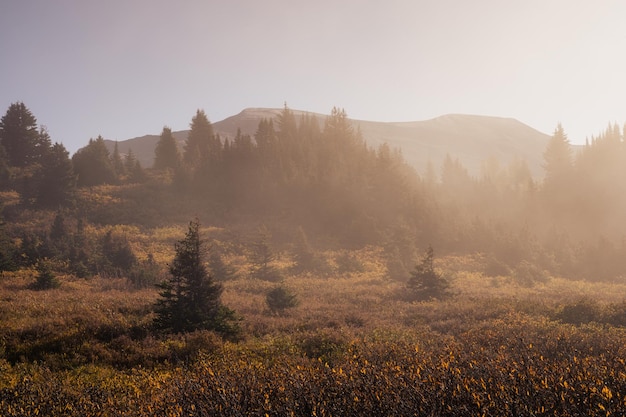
88,345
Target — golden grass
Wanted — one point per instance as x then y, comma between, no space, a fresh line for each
352,336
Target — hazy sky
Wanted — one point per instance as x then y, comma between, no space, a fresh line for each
125,68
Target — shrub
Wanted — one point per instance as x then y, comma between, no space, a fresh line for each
582,311
46,279
349,263
496,268
528,274
145,274
279,299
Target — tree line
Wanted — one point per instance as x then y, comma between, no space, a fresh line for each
320,182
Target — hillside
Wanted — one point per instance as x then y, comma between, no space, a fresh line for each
472,139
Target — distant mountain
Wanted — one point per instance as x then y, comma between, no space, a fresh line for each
472,139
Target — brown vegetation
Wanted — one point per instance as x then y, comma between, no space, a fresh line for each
352,346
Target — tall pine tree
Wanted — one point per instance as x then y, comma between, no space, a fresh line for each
190,298
19,135
199,141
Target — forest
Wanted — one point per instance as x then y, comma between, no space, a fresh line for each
299,271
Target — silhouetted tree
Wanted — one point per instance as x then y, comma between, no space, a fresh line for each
92,164
166,154
118,164
56,181
199,140
557,157
19,136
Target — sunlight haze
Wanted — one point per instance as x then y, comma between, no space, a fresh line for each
124,69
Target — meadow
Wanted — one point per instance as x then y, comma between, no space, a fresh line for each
355,344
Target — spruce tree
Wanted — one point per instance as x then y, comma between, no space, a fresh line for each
190,298
56,180
118,163
425,282
263,259
19,135
92,164
166,153
199,141
557,157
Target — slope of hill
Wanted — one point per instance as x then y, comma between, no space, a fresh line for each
470,138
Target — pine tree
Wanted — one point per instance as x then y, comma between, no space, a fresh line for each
135,171
426,283
118,163
220,269
338,125
279,299
558,156
56,179
190,298
92,164
198,144
265,137
19,135
263,258
166,153
46,279
305,257
560,186
5,173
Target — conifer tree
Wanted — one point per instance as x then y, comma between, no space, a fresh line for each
338,126
5,173
558,156
278,299
46,279
190,298
265,137
19,135
135,171
118,163
92,164
425,282
287,125
263,258
198,144
166,153
56,179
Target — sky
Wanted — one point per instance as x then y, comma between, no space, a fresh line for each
126,68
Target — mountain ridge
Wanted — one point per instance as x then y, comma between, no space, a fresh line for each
472,139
